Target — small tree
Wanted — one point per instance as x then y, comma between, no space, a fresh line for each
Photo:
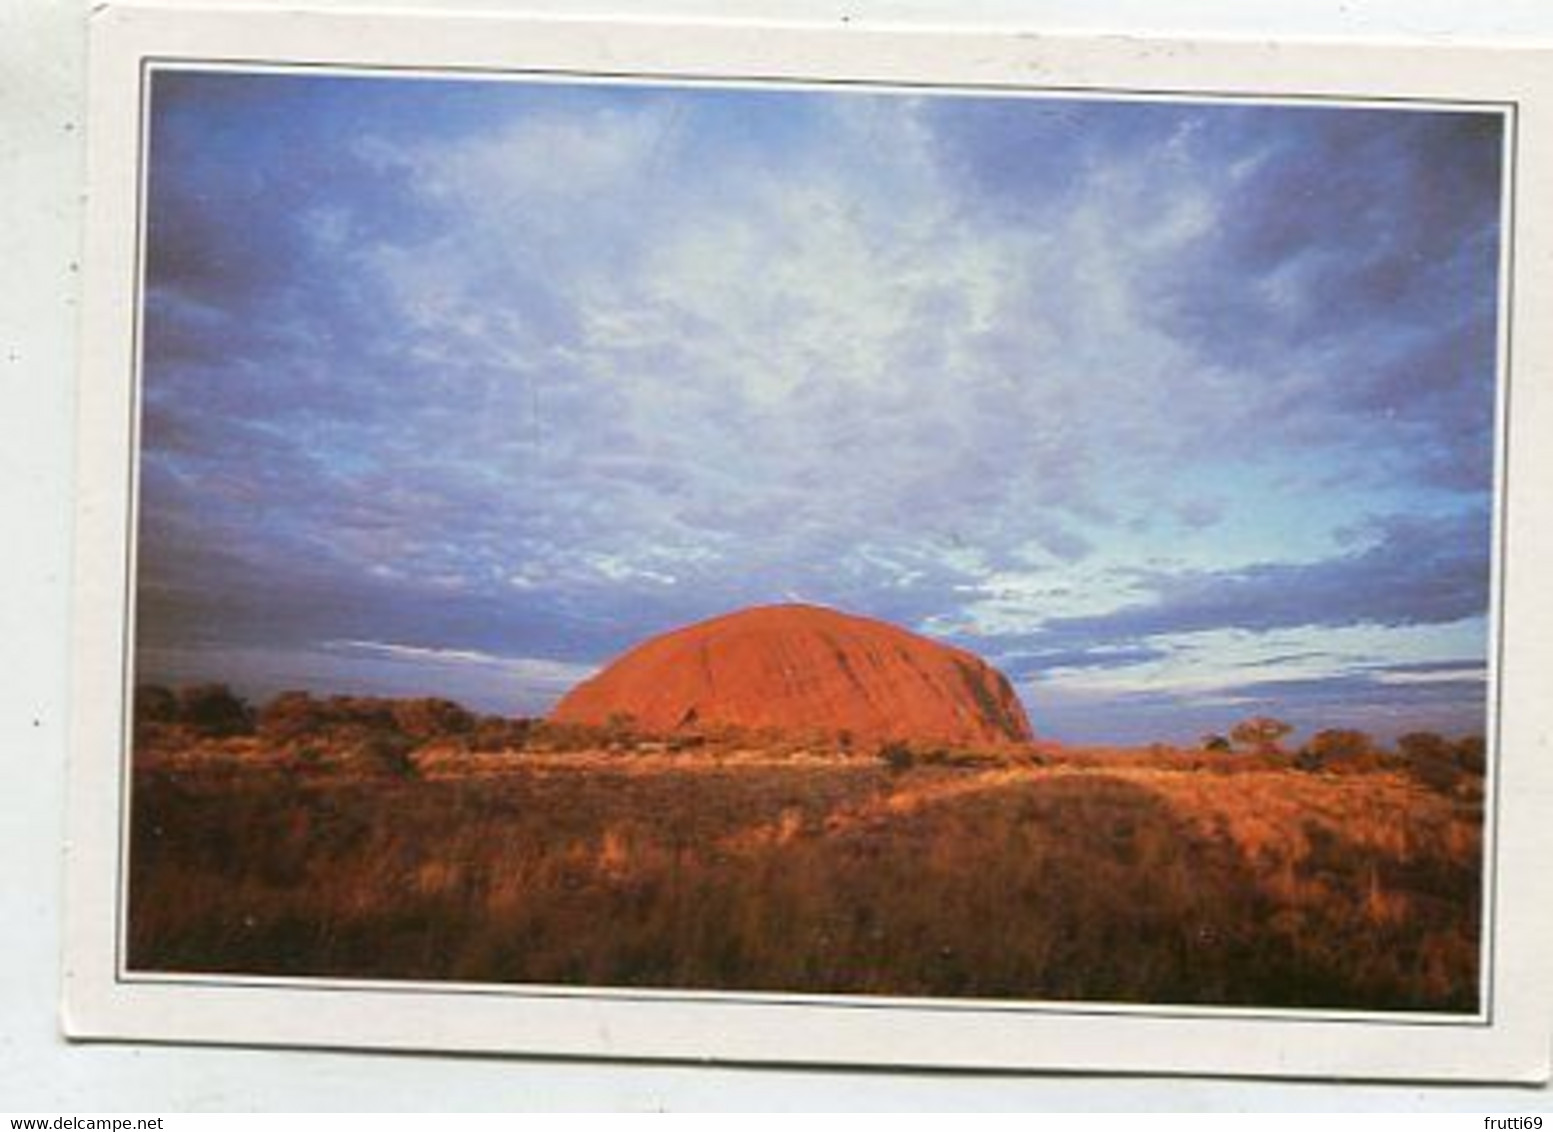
1215,743
1425,746
1336,746
1431,759
155,704
212,709
1340,743
1472,754
1260,734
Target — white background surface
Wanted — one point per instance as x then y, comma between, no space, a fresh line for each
41,138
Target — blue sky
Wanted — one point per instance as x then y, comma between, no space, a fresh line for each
1176,412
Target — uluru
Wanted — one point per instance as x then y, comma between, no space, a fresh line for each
803,669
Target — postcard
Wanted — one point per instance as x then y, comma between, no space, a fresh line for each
807,544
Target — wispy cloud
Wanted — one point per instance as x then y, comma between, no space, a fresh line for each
532,671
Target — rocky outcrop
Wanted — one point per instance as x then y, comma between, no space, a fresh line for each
804,669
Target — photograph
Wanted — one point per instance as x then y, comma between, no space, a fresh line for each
847,541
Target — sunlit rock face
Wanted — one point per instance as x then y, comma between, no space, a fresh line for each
801,668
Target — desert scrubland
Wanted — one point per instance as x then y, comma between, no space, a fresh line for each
412,840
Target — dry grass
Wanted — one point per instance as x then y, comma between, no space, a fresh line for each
1139,879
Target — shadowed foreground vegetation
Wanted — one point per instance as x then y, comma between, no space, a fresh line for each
320,845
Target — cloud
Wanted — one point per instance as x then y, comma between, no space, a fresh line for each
1095,657
532,678
536,369
1415,571
1370,700
485,682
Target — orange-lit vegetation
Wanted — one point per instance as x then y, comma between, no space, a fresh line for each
411,839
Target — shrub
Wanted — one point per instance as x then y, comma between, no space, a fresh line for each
1215,743
365,711
431,718
212,710
897,755
1424,745
620,726
1472,754
1340,743
1430,759
1435,772
1340,748
494,733
155,704
291,716
976,760
389,753
553,736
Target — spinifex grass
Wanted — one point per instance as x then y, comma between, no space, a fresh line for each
1120,880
